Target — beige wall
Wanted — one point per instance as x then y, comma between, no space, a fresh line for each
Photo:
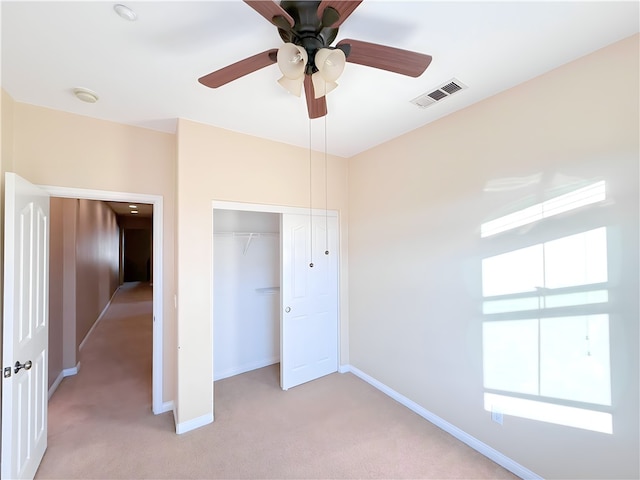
414,209
62,149
6,165
416,204
215,164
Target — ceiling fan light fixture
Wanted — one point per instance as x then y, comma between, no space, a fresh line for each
292,85
330,63
320,86
292,60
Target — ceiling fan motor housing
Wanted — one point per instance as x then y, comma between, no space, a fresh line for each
308,30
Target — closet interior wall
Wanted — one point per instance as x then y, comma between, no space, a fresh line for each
246,291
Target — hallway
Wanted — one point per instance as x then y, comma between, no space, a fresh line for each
110,397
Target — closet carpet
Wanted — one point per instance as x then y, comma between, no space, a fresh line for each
101,425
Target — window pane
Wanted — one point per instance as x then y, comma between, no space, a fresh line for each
513,272
510,355
574,358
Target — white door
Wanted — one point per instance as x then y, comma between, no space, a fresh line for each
25,330
309,320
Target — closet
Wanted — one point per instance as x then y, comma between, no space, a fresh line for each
246,299
275,291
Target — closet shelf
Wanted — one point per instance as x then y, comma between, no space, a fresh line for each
268,290
248,235
245,234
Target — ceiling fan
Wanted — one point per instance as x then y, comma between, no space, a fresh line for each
307,58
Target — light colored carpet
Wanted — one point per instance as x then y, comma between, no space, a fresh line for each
101,425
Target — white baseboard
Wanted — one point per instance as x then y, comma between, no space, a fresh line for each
245,368
189,425
55,385
95,324
67,372
166,407
473,442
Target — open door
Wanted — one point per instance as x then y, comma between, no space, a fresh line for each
25,329
309,319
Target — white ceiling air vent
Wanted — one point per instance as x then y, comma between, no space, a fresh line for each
443,91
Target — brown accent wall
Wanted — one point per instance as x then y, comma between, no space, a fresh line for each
96,262
83,275
56,282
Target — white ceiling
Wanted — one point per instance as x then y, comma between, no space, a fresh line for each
145,72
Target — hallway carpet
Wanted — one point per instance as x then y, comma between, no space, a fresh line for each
101,424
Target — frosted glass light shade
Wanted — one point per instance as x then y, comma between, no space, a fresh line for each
330,63
292,85
320,86
292,60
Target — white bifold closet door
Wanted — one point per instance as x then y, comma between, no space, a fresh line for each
309,317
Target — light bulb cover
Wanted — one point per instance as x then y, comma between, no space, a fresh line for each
85,95
320,86
330,63
292,60
292,85
125,12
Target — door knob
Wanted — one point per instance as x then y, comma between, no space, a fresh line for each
288,309
27,365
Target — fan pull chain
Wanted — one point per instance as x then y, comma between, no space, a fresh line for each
310,202
326,189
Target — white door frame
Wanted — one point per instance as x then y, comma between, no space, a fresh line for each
158,255
265,208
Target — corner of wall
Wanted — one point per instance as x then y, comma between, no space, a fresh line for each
6,164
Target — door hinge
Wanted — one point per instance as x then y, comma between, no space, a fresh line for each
7,372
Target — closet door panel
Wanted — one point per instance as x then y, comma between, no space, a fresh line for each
309,321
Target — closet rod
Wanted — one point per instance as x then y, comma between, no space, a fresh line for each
250,236
244,234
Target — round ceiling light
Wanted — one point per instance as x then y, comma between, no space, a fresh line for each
125,12
85,95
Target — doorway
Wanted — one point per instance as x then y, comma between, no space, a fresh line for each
158,406
285,259
246,298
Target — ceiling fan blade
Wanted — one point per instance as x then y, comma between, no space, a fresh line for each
270,10
317,107
344,8
392,59
239,69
